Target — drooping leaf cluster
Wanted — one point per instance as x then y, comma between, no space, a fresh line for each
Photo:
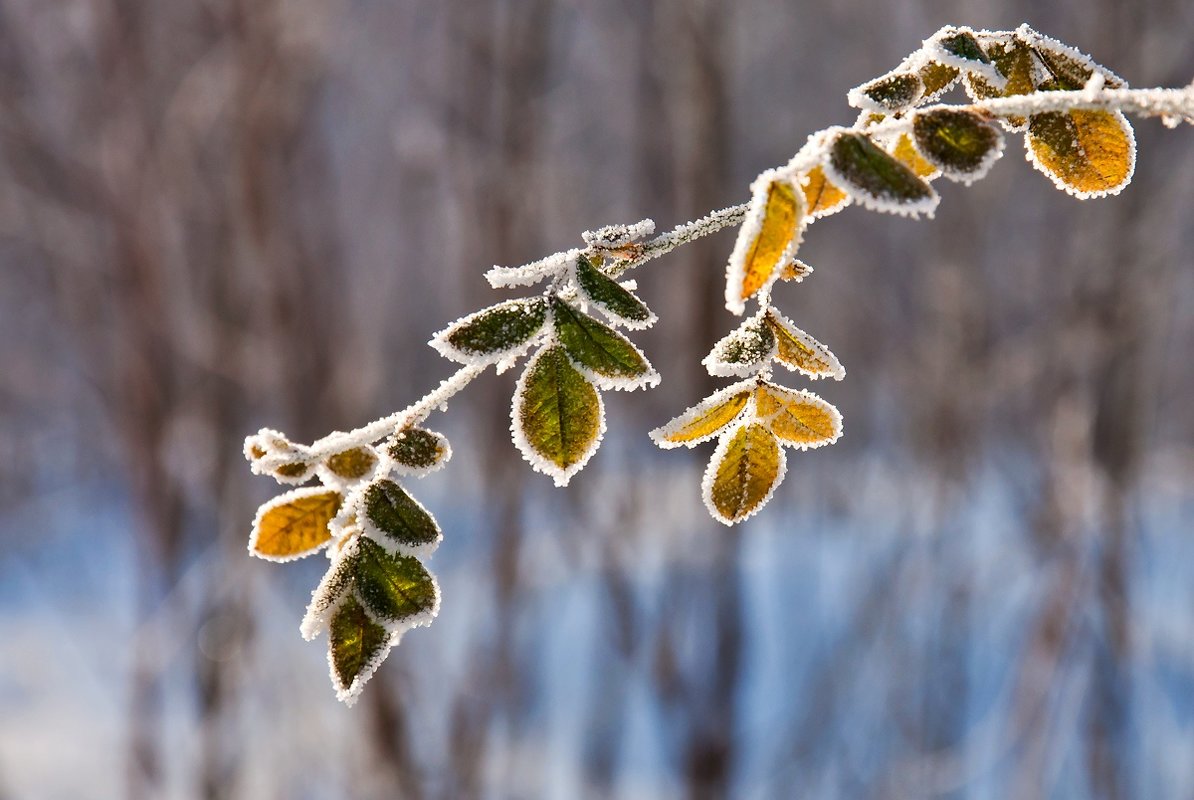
374,533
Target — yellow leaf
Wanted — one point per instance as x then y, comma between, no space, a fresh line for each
767,238
799,418
352,464
821,198
907,153
704,420
743,473
294,524
1086,153
799,351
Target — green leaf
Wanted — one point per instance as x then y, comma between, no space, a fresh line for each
961,144
357,645
557,416
605,293
336,582
398,518
962,44
394,588
417,451
600,350
493,333
1069,69
890,93
876,179
746,349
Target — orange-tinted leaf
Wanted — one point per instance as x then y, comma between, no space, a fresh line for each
703,421
1086,153
768,237
294,524
743,473
797,350
822,198
906,152
798,418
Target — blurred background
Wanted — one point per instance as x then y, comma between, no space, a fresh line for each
218,215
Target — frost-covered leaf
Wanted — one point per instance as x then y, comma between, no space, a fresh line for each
270,453
294,524
798,418
605,293
1018,67
336,583
892,92
703,421
960,45
294,471
747,349
961,144
821,198
906,152
603,354
353,464
395,589
1087,153
797,350
1067,68
795,271
968,52
876,179
494,333
418,451
768,238
937,78
743,473
356,647
557,418
397,520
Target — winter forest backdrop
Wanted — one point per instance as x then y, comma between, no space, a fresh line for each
224,214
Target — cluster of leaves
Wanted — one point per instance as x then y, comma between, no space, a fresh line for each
374,533
557,416
886,162
377,536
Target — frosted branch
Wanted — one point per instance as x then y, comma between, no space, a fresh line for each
437,399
